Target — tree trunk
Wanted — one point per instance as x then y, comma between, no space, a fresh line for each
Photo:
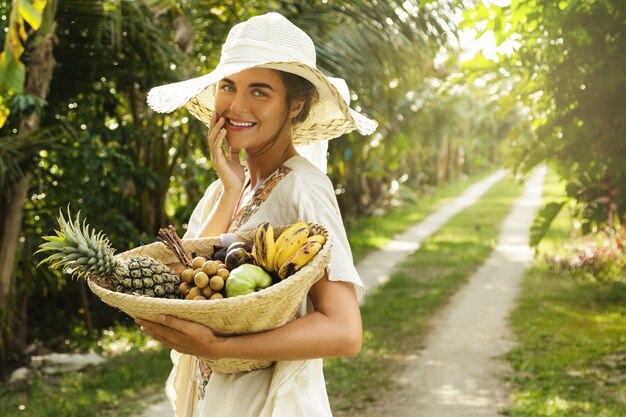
11,227
443,159
38,76
84,303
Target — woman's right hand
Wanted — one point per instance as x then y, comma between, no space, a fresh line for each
228,166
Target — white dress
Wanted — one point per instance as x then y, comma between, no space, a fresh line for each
296,191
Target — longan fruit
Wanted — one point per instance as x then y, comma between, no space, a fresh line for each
197,262
216,296
223,272
184,288
201,279
216,282
195,291
210,268
207,292
187,275
199,297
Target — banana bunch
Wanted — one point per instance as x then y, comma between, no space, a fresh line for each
293,249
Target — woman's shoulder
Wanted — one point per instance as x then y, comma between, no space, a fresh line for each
305,173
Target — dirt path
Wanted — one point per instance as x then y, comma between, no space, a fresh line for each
375,267
459,373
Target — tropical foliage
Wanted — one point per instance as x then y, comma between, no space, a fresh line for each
569,67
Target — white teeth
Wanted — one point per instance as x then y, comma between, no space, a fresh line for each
245,124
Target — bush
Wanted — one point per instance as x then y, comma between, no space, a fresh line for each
601,256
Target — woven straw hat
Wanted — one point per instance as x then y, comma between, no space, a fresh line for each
268,41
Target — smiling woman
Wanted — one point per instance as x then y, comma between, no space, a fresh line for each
265,96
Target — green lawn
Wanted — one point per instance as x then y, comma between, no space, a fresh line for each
570,359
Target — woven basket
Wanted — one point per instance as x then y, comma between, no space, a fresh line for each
267,309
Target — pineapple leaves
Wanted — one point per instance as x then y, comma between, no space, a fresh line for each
72,247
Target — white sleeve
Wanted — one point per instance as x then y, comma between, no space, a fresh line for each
203,209
319,205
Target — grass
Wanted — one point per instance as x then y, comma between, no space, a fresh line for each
126,383
570,359
97,391
373,232
397,316
135,371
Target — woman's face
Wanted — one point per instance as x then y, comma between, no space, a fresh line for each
253,102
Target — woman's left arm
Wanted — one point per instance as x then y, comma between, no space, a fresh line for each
333,329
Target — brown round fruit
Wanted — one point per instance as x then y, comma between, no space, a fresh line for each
195,291
201,279
184,288
197,262
187,275
216,282
210,268
216,296
223,272
199,297
207,292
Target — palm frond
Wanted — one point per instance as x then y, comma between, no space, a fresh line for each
18,150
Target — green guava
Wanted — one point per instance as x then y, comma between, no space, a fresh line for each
246,279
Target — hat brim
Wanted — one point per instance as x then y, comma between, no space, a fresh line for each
329,118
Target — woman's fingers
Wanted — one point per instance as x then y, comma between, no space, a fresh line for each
181,335
217,136
225,161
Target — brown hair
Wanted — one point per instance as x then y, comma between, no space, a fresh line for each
299,88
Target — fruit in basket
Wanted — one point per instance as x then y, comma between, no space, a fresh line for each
81,251
210,267
216,283
301,256
201,279
264,249
285,242
290,245
246,279
220,254
236,257
293,249
187,275
197,262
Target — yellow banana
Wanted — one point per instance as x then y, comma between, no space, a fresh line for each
301,257
317,238
286,234
290,246
262,247
270,248
256,248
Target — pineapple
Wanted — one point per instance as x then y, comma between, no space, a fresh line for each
81,251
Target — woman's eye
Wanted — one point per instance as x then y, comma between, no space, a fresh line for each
228,87
259,93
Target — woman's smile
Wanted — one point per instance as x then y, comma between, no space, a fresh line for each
238,125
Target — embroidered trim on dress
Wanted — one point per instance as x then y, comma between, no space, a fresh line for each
259,196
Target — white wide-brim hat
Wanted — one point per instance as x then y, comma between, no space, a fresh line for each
269,41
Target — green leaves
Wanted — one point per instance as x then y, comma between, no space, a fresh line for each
31,11
543,220
12,70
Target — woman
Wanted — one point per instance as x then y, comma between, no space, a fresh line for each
266,96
